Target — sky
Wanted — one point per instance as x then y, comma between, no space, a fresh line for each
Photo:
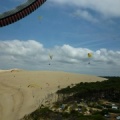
68,30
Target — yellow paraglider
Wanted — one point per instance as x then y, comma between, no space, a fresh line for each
39,17
89,56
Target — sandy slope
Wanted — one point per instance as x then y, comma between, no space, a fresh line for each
21,92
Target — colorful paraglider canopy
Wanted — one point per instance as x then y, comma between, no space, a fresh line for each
19,12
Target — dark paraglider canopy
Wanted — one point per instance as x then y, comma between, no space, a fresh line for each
19,12
51,57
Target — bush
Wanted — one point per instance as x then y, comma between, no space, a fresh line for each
114,111
103,112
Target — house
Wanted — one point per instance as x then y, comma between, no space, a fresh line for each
118,118
114,107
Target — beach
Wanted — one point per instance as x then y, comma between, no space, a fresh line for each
22,92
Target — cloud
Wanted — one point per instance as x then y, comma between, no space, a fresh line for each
21,52
17,47
33,55
85,15
107,8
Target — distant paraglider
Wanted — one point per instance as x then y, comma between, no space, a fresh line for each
89,56
19,12
40,17
50,57
33,86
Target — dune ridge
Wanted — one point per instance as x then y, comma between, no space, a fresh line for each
21,92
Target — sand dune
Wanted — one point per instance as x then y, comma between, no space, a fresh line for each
21,92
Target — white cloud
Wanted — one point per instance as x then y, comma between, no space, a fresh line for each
32,55
85,15
16,47
107,8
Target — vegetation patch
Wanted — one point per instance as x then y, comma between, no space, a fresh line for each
85,101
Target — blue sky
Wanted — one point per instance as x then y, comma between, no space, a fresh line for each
68,30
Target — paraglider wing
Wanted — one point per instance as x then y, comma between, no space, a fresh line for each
33,85
89,55
51,56
40,17
19,12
